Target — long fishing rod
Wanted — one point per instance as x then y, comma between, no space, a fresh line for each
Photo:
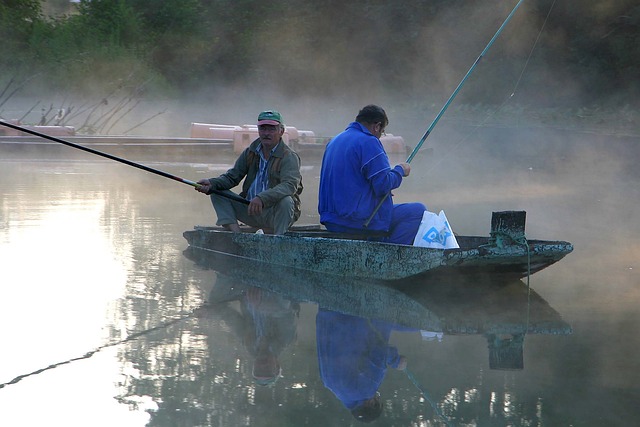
91,353
426,396
446,105
121,160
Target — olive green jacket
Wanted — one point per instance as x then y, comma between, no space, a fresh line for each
284,174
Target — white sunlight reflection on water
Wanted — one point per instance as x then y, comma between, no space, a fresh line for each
64,310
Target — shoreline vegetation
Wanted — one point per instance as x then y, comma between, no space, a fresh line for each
621,122
575,67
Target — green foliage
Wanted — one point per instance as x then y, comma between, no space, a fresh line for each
331,48
19,12
18,19
114,22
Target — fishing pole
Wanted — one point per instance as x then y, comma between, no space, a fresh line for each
121,160
426,396
446,105
96,350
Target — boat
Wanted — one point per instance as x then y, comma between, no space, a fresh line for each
304,142
205,142
134,148
506,252
502,311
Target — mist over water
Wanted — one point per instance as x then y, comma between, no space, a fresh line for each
319,68
91,251
106,240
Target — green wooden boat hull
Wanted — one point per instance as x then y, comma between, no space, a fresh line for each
314,249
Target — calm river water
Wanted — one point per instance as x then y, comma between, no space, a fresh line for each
106,321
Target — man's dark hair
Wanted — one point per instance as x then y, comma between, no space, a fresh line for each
372,114
369,410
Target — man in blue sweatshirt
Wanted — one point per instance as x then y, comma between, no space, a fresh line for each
356,176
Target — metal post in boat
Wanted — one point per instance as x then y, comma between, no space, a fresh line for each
509,225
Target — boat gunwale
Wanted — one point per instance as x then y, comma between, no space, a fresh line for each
316,232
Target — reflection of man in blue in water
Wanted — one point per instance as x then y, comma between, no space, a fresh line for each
353,355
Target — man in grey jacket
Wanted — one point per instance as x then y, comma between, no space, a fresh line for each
272,182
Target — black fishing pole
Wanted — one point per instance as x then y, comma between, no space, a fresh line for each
121,160
129,338
446,105
426,396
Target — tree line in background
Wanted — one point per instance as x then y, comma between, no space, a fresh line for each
322,48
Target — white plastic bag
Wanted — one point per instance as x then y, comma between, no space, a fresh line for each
435,232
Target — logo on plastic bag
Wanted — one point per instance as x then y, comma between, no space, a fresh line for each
435,232
433,235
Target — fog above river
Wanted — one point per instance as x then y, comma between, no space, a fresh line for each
92,250
318,71
530,137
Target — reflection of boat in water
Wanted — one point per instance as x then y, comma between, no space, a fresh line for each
506,252
502,312
370,300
